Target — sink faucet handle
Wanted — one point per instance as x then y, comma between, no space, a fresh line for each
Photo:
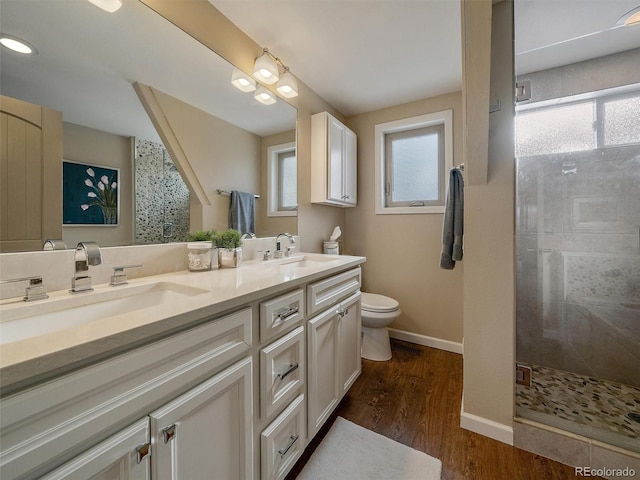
119,277
35,290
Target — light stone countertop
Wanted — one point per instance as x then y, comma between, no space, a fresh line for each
39,358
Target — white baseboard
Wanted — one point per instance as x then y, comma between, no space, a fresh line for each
484,426
433,342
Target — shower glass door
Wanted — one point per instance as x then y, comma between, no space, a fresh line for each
578,243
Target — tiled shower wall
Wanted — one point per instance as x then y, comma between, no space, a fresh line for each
162,198
578,262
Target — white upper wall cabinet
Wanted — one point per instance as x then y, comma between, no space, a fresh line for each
333,162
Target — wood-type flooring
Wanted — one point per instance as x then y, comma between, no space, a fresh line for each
415,399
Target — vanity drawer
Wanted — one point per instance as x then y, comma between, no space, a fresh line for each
282,370
282,442
280,314
325,293
50,422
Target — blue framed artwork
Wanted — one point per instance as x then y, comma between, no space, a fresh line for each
90,195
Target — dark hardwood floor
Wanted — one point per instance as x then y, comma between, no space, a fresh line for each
415,399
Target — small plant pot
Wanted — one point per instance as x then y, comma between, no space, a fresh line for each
229,258
200,256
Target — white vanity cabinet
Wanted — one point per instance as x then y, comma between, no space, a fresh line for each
207,432
333,162
123,456
231,396
333,345
189,373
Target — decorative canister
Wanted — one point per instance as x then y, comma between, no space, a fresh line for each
229,257
200,256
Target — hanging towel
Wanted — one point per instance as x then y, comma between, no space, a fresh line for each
242,212
453,221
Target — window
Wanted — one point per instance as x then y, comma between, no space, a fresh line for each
578,123
413,158
282,189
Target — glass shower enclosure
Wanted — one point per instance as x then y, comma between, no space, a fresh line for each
578,247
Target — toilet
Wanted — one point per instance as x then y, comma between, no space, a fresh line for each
378,312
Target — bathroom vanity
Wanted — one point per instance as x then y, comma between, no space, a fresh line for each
224,374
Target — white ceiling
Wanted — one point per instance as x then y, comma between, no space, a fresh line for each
551,33
88,59
359,55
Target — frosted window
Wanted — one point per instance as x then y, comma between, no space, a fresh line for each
414,166
288,181
622,121
555,130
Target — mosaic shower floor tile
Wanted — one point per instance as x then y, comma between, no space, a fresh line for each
598,409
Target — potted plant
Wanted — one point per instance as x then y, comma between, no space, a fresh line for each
200,250
229,245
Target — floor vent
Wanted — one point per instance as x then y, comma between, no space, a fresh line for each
407,349
635,416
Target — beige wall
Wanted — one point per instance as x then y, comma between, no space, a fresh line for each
95,147
489,282
210,153
202,21
272,226
403,251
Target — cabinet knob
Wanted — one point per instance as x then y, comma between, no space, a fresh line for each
169,433
143,451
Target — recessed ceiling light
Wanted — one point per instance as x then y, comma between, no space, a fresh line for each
632,17
107,5
17,45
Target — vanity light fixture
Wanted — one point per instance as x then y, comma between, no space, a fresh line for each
632,17
264,95
242,81
265,68
17,45
107,5
287,85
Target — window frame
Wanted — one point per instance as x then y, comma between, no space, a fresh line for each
444,118
274,183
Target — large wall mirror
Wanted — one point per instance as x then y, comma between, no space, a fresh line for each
86,64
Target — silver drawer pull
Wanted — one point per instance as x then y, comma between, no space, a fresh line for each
169,433
284,314
292,439
143,451
293,367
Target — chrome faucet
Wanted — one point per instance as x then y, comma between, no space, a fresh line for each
87,253
279,253
35,290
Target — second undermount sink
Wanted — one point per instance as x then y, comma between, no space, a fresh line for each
294,261
27,320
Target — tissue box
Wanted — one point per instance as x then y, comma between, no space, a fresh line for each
331,248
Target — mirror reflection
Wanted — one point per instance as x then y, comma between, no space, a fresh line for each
214,136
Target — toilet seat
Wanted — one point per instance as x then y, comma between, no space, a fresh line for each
372,302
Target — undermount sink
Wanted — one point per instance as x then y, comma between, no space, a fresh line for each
26,320
295,261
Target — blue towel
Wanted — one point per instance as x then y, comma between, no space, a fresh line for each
242,212
452,225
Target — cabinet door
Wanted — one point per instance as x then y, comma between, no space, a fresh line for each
349,340
335,176
207,432
124,456
350,171
322,364
30,175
